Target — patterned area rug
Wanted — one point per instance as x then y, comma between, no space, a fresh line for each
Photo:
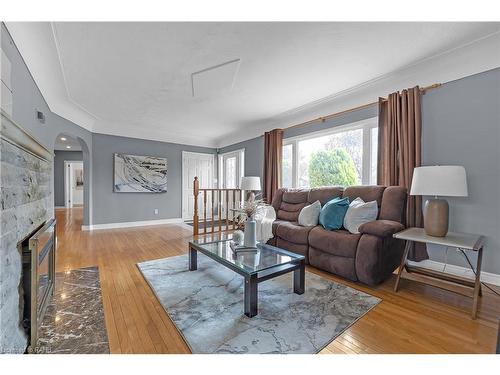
207,307
74,319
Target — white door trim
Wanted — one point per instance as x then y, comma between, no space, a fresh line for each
184,155
68,201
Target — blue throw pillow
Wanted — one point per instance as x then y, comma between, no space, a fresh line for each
332,213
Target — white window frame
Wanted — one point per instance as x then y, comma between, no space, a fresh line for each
367,125
240,166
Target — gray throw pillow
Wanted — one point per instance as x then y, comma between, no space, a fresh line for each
359,213
308,216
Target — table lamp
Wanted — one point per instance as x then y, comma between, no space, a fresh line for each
250,184
439,180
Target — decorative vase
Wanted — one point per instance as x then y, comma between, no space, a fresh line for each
250,239
238,237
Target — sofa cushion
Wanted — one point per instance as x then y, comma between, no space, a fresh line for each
324,194
309,215
367,193
393,204
332,213
292,201
278,196
295,196
290,212
276,224
336,242
296,248
293,232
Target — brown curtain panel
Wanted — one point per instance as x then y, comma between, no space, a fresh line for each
400,151
273,155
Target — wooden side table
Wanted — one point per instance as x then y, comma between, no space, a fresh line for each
457,284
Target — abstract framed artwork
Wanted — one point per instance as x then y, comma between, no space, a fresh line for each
139,174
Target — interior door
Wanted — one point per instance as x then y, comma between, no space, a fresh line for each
230,172
77,183
231,169
196,165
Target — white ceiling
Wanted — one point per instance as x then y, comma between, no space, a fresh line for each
134,79
62,144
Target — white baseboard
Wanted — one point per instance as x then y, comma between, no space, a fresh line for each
59,206
487,277
130,224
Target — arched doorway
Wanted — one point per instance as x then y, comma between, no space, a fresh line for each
72,178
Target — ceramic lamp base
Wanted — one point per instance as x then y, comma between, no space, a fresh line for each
436,213
250,238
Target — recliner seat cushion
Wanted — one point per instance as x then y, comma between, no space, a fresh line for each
293,232
276,224
296,248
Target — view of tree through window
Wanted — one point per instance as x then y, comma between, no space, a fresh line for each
331,168
335,159
342,156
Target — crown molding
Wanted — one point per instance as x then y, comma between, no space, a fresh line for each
39,42
37,47
16,135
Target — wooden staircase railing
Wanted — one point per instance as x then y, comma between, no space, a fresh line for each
222,203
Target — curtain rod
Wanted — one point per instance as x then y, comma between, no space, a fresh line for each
423,90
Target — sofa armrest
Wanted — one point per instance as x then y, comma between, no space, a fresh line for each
381,228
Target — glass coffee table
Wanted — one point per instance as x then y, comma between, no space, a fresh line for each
268,262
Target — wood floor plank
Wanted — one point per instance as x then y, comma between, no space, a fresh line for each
417,319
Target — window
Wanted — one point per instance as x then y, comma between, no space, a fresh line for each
287,176
231,169
343,156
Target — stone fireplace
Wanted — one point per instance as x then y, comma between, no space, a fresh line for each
38,256
26,204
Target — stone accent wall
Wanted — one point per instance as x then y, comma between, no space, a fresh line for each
25,203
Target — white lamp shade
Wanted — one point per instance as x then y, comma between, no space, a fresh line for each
251,183
442,180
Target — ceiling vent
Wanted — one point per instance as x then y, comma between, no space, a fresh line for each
216,79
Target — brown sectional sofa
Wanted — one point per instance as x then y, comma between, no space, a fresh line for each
370,256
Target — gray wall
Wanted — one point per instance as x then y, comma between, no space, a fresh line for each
111,207
346,118
461,126
59,158
27,98
254,155
254,148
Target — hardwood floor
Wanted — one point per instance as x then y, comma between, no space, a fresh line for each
417,319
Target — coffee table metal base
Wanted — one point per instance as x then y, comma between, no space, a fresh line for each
252,281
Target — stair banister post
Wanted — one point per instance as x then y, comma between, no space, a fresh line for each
196,190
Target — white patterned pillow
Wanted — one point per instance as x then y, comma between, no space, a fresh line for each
308,216
359,213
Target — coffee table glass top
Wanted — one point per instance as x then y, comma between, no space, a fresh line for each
265,258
